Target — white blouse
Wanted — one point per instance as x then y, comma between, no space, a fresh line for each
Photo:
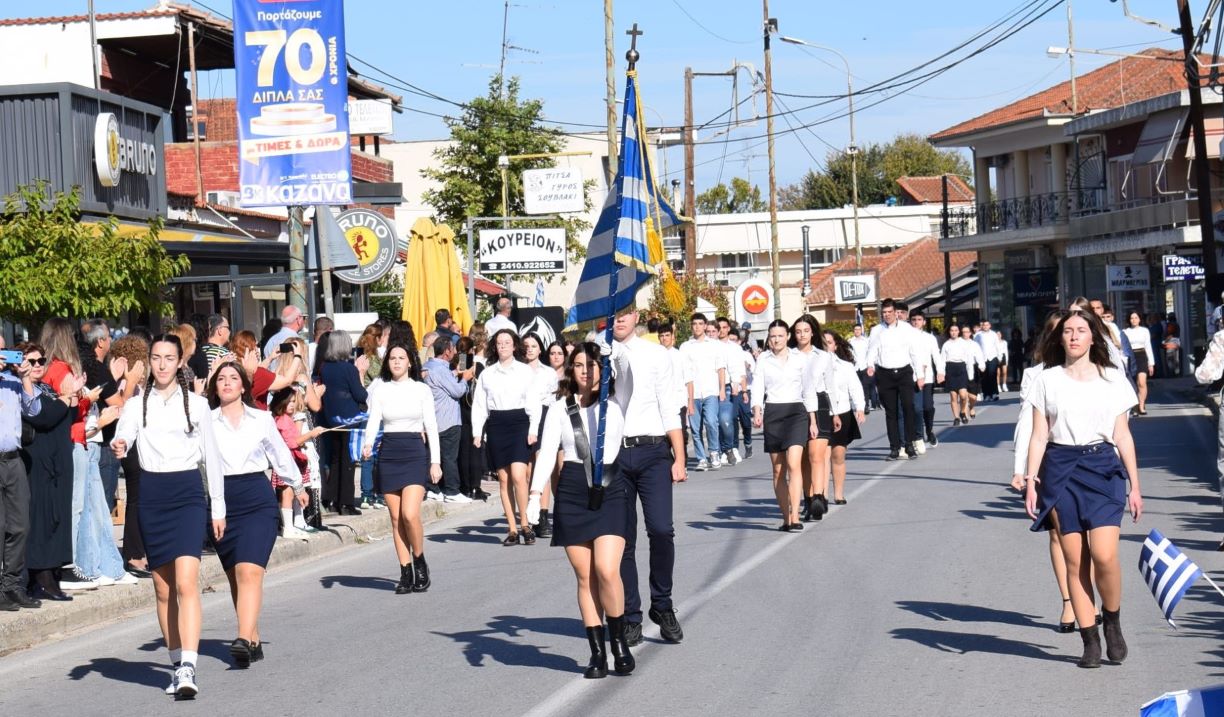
404,406
505,387
1140,340
957,351
545,388
164,445
1024,423
558,434
254,445
1081,413
779,379
847,391
818,377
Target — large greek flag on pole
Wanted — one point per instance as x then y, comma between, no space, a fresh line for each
1167,572
1204,702
618,242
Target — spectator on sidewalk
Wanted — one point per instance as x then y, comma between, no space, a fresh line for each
292,323
17,399
501,319
448,387
214,347
446,326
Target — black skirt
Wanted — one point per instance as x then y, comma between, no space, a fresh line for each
824,416
785,425
535,447
956,376
1141,361
573,522
849,432
173,515
251,518
974,385
506,434
403,460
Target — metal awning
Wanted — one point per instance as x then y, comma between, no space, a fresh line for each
1159,137
201,244
1214,127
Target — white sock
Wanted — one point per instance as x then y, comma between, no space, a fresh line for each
190,657
176,656
286,518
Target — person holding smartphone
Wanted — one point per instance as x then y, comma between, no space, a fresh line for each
17,399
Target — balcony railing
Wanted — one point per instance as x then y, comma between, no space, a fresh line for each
1038,210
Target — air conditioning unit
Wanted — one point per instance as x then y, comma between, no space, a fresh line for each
224,199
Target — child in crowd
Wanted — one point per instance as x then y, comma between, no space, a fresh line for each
288,410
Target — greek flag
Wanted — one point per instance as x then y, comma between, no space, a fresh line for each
619,244
539,296
1203,702
1167,571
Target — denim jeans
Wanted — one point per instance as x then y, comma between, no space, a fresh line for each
706,414
745,418
108,465
94,551
727,416
367,478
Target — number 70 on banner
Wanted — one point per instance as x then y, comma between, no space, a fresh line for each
277,40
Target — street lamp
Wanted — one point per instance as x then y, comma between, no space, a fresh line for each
851,150
807,263
503,163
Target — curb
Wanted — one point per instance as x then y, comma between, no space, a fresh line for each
92,608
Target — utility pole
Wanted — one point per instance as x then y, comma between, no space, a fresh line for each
1202,172
770,26
690,191
610,68
93,46
195,112
1071,59
944,231
297,264
853,150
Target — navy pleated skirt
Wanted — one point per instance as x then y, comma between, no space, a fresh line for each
506,433
573,522
173,515
403,460
1085,484
956,376
849,432
250,520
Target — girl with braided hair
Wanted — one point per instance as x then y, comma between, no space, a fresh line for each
172,429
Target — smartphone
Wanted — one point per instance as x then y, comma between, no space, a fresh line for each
11,357
287,347
463,362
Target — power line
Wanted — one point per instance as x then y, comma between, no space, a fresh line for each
708,31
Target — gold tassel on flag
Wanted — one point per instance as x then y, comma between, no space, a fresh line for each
673,295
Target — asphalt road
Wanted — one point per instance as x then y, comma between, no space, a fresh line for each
925,595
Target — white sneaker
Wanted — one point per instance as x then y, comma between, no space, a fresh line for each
185,686
432,497
294,533
127,579
920,446
715,462
456,498
300,523
702,466
104,581
979,398
735,457
173,686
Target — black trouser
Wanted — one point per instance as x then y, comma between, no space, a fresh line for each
990,379
448,447
869,390
471,458
897,385
338,486
133,543
647,471
14,520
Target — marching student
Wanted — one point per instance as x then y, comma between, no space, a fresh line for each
505,407
733,394
895,360
545,387
172,429
956,356
1141,344
858,344
989,343
591,520
805,338
849,405
1087,475
976,366
708,371
249,443
682,378
410,458
778,408
932,373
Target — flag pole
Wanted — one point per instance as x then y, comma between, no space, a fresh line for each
1212,583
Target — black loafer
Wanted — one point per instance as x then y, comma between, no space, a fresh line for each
257,652
41,593
240,650
137,572
893,456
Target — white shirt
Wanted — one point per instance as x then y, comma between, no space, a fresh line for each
957,351
817,377
545,390
894,347
504,387
978,361
735,362
164,445
779,379
1024,423
989,343
645,388
681,377
254,445
932,357
558,434
1140,340
859,345
1082,412
705,357
404,406
847,391
497,323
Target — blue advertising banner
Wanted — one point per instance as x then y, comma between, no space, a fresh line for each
1035,287
292,87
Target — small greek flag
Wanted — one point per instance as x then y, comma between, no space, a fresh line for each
357,426
1167,571
1203,702
539,297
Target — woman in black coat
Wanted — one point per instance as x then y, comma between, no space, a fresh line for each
48,461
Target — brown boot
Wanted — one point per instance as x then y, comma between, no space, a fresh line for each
1115,645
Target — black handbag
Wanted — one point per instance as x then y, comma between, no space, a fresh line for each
595,493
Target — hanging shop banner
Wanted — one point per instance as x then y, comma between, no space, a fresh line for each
1182,268
522,251
555,190
370,238
854,288
1035,287
292,86
753,302
1127,277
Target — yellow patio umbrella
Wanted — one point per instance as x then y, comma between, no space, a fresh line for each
433,279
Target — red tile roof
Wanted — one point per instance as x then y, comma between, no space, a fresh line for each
1118,83
929,190
902,273
100,17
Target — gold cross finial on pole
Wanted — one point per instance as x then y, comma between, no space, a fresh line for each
632,55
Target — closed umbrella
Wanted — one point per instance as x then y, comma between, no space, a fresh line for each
433,279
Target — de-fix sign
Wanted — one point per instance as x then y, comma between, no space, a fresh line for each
555,190
1182,268
371,238
854,288
1127,277
522,251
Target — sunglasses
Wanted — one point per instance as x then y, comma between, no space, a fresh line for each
40,361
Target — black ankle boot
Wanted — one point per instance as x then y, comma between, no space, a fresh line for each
818,507
420,574
807,508
1115,645
1092,647
622,660
404,586
544,529
824,503
598,666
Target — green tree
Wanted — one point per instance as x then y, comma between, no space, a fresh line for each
52,264
879,167
496,124
388,307
693,288
739,198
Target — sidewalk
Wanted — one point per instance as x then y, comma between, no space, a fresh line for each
93,608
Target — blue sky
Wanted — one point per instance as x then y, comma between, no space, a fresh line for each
452,48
